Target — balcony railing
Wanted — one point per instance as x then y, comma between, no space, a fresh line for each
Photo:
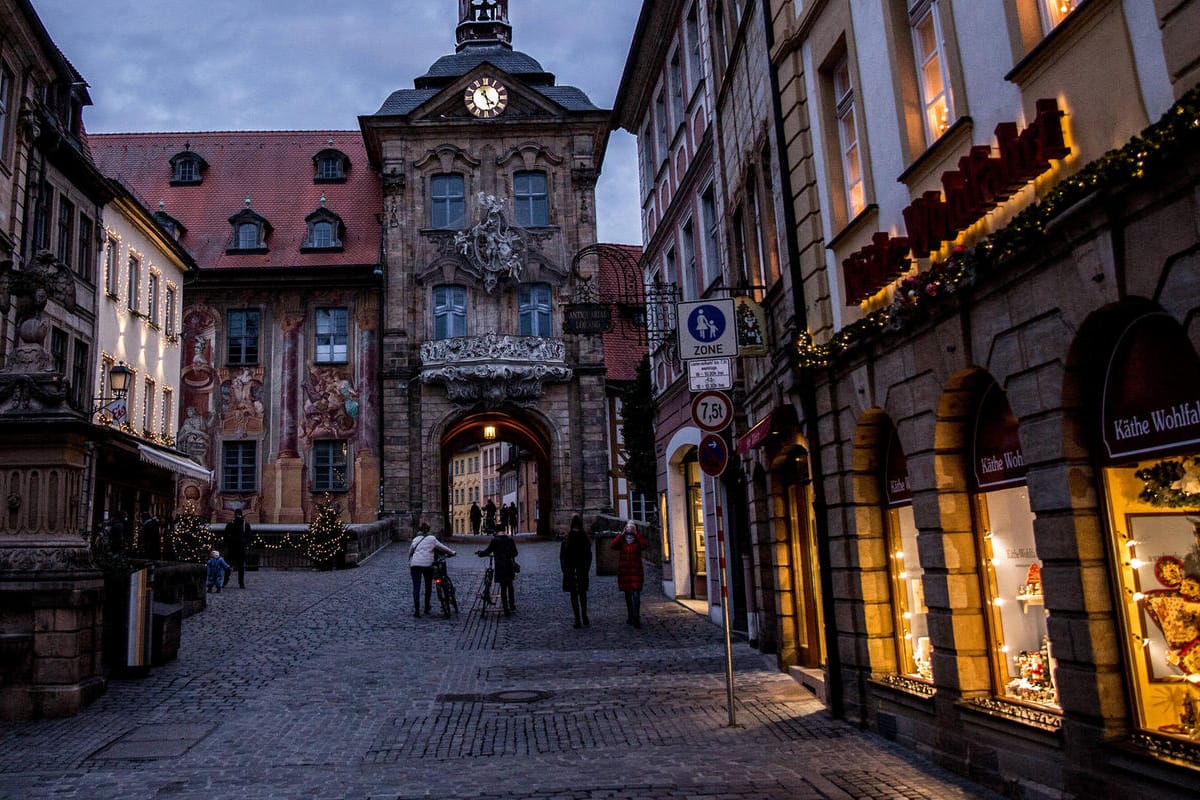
494,368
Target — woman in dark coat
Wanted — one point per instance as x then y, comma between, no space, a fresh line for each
630,574
504,553
575,557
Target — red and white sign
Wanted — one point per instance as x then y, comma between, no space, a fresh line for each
712,411
713,455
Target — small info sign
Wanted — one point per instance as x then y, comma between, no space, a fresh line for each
710,373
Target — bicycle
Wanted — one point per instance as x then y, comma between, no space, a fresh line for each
489,575
444,586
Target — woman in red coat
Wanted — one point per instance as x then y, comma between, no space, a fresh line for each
630,574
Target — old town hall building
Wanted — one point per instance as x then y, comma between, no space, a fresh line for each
370,303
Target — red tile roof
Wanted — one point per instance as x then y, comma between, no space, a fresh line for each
621,278
272,168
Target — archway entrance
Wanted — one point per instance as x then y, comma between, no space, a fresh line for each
521,477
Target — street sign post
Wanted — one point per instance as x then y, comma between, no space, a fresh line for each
706,329
710,373
712,411
713,454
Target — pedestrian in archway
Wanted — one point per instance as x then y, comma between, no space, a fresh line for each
503,550
420,565
489,517
630,573
575,558
476,516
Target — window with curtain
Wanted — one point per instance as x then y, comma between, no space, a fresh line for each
533,303
449,312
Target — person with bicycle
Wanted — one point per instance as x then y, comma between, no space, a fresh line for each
503,550
420,563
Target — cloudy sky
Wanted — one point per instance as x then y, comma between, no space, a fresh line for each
197,65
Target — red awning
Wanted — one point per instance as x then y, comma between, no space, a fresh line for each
779,420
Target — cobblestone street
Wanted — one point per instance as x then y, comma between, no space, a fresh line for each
323,685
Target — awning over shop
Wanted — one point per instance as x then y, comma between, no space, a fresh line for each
177,464
780,420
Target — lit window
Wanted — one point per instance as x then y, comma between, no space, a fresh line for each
330,466
931,69
1055,11
533,304
852,177
239,467
449,312
448,201
531,205
332,335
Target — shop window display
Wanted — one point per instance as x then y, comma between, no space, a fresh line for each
916,653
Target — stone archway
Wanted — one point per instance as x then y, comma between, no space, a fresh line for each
516,427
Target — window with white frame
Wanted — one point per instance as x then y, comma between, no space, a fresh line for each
171,310
448,200
111,272
847,126
533,309
331,466
239,467
135,280
531,204
932,78
449,312
152,297
1055,11
332,335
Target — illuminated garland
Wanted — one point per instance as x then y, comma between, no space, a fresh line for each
191,538
326,536
1172,484
1143,158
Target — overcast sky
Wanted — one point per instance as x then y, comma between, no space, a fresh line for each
202,65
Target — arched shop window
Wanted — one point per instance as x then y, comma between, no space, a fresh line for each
915,654
1150,426
1022,662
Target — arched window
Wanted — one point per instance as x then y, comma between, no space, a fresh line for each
330,166
530,200
250,231
447,201
187,168
325,231
533,308
449,312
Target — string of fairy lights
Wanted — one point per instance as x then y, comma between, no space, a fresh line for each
1142,159
323,540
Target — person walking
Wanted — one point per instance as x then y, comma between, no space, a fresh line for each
630,573
238,537
575,558
503,550
420,564
476,516
489,517
217,568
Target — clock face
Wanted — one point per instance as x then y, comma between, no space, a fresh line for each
486,98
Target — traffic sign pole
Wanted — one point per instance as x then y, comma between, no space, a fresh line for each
725,607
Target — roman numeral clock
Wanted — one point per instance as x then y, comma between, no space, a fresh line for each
486,98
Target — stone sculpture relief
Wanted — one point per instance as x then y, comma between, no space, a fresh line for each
331,406
493,250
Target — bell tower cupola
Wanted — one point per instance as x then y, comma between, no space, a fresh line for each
483,22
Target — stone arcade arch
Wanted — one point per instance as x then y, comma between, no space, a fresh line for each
517,427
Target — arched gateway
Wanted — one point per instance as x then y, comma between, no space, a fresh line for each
489,171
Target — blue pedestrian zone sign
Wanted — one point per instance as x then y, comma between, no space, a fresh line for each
707,329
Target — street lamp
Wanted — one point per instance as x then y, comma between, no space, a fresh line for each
113,409
489,433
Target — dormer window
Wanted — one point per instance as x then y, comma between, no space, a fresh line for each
250,231
330,166
169,224
187,168
325,230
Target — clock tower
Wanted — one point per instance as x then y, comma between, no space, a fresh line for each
489,169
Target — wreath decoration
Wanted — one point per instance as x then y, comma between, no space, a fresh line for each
1173,484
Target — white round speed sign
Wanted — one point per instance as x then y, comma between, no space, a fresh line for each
712,411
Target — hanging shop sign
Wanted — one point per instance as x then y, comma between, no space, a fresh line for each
1151,390
588,319
713,454
981,182
996,452
751,325
706,329
895,474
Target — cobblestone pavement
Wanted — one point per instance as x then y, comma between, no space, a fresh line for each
323,685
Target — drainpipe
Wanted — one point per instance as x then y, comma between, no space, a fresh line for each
808,399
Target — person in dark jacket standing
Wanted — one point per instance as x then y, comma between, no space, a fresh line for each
151,536
575,557
476,517
630,573
489,517
504,550
238,537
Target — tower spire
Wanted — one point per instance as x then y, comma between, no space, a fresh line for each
483,22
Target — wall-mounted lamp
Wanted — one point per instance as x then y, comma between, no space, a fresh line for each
489,433
113,409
